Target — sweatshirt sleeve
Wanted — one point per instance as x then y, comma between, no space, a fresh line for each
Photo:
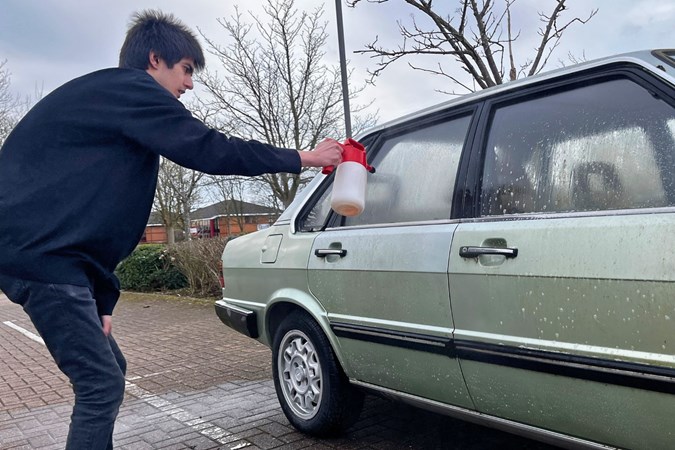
158,122
106,293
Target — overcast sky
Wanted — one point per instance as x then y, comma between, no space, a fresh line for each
48,42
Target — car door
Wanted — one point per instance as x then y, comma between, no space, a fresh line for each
382,276
562,283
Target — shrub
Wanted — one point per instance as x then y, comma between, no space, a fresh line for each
149,269
199,261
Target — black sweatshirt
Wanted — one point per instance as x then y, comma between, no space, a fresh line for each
78,175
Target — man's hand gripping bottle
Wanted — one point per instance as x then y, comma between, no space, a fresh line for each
349,186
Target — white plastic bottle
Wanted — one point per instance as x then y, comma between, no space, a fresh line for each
349,189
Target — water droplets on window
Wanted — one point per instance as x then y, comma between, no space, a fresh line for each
600,147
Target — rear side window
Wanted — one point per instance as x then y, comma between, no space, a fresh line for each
415,175
605,146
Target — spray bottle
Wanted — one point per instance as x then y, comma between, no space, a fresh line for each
349,186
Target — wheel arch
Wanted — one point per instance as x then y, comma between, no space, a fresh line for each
284,305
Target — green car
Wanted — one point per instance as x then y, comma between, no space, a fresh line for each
514,265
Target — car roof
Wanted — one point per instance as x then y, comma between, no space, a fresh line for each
660,62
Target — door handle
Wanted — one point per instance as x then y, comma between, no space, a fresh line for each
323,252
473,252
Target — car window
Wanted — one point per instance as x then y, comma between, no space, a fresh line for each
414,179
415,175
605,146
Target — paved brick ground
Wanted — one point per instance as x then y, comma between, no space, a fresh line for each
194,384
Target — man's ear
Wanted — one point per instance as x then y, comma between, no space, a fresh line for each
153,60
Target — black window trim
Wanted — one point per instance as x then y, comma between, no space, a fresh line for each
471,178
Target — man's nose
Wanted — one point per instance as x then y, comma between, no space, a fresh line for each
188,82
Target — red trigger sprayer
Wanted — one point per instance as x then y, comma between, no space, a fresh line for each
349,187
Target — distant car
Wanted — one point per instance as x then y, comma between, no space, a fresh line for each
514,265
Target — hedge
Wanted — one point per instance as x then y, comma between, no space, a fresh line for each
199,261
148,269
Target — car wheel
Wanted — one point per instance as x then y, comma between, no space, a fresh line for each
314,392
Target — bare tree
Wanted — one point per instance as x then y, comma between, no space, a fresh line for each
178,190
479,35
166,204
274,86
12,107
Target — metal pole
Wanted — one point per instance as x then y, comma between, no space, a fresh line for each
343,68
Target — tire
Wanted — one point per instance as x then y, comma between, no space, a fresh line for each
313,391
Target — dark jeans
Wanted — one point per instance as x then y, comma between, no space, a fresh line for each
67,319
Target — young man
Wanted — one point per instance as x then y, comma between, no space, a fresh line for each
77,181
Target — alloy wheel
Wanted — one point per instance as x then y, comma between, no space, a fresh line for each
300,374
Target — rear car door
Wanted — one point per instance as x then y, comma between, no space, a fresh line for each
562,279
382,276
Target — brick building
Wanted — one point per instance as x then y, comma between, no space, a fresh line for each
226,218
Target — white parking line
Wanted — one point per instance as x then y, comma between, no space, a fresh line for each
25,332
188,419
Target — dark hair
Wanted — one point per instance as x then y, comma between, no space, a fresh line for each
164,34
